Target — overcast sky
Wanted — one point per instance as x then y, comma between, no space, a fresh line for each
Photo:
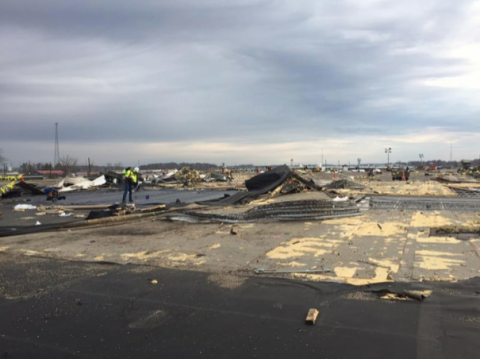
250,81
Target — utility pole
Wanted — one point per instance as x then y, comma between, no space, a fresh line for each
291,163
56,156
359,160
421,158
388,150
451,152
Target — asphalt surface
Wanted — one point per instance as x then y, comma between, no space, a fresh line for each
143,198
58,309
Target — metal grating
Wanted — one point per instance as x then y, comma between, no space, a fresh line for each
283,211
468,193
426,203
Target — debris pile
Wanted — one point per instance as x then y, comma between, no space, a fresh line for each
280,180
113,177
187,176
167,177
19,188
293,185
345,184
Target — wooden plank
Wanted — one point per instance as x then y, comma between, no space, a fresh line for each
312,316
153,208
86,207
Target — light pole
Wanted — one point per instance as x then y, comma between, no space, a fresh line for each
359,160
291,161
421,158
388,151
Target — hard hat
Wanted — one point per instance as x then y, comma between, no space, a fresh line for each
136,169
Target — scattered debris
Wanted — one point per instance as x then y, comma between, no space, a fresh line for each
418,295
312,316
345,184
234,230
187,176
154,281
69,184
280,180
284,271
23,207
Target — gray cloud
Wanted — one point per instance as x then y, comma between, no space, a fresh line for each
255,71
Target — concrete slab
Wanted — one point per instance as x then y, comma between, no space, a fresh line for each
379,246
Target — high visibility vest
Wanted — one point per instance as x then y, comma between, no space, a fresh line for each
130,174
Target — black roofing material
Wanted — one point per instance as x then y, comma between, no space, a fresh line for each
261,184
68,310
345,184
30,188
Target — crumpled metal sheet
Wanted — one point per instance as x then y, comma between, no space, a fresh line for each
283,211
69,184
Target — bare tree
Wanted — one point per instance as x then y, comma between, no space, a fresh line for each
67,164
90,165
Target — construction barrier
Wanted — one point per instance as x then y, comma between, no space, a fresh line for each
9,187
5,189
8,178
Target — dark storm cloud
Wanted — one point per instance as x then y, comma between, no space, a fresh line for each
270,71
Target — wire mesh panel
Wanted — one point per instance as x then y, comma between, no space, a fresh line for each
283,211
426,204
467,192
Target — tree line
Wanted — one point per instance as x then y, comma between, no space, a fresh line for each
173,165
67,164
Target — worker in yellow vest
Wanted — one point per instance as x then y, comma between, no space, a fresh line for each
130,179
